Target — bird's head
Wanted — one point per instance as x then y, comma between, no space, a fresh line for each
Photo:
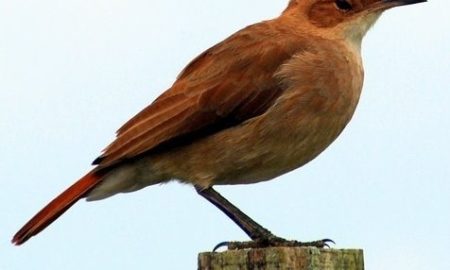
353,18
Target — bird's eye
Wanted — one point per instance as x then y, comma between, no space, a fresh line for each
343,5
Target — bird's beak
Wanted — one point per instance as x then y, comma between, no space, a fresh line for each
404,2
392,3
387,4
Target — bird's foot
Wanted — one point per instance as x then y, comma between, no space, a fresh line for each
273,241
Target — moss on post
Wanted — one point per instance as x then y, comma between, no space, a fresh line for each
283,258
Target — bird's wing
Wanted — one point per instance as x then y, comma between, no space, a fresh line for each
224,86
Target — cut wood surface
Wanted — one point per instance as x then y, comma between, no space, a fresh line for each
283,258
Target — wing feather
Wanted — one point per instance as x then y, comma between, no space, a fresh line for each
229,83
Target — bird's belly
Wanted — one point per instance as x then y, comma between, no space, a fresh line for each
258,150
290,147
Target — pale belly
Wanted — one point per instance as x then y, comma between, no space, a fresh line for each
288,149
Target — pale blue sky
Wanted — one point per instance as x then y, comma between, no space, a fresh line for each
72,71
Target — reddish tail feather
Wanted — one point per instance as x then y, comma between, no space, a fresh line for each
57,207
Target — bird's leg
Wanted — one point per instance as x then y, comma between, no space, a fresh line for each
248,225
261,236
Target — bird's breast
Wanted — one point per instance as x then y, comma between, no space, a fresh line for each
322,91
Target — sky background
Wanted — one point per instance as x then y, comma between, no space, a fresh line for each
71,72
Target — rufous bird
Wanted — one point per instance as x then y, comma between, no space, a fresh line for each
263,102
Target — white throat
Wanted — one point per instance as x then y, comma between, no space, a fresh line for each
357,29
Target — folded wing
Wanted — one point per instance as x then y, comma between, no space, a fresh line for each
224,86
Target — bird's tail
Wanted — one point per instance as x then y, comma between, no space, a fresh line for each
57,207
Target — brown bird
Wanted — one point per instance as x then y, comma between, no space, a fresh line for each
265,101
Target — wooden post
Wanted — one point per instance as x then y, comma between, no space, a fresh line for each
283,258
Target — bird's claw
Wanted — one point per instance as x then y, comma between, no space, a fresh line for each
221,244
324,243
273,242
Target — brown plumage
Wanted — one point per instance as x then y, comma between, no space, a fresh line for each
210,92
265,101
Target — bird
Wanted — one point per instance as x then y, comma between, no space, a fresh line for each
265,101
